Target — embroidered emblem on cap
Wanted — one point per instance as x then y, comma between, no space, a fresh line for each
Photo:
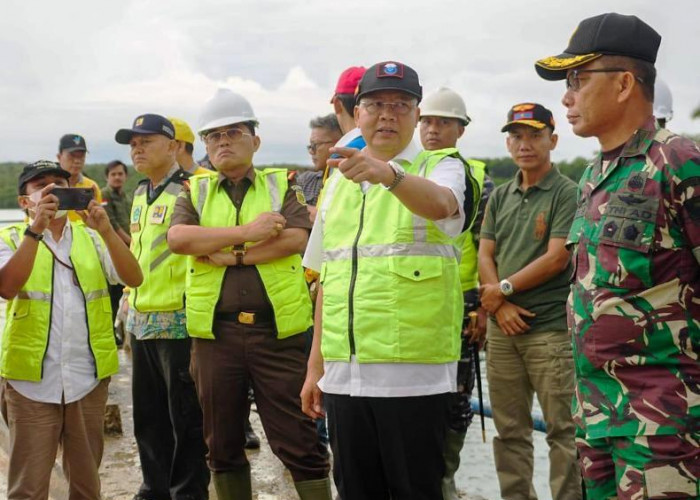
76,140
523,107
390,69
138,121
523,115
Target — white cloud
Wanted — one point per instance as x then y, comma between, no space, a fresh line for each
91,67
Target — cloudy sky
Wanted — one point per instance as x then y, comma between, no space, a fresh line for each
91,66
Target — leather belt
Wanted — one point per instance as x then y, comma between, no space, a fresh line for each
246,317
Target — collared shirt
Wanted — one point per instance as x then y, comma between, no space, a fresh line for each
69,366
118,207
85,182
394,379
160,324
521,223
242,288
634,309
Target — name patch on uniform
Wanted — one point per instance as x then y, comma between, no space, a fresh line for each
158,214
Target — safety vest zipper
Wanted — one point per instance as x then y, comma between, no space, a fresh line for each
87,321
353,278
48,334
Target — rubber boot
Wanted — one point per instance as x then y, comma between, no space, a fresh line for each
233,485
316,489
453,445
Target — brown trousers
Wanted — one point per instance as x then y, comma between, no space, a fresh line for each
222,370
37,429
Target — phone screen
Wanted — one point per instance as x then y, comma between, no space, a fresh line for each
73,198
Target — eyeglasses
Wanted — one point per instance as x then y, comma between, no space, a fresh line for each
313,147
400,107
233,134
573,79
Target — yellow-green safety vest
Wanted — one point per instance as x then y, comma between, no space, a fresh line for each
163,287
391,291
283,278
468,269
26,335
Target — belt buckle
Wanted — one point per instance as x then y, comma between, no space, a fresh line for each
246,318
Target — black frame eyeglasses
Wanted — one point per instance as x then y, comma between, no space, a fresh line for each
573,81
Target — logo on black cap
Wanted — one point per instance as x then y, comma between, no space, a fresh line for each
390,69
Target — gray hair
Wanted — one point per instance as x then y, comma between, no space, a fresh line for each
328,122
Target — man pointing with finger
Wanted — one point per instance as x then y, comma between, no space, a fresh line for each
389,308
247,303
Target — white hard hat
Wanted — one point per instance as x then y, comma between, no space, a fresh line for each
225,108
663,101
445,103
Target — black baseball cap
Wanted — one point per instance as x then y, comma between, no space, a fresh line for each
39,169
607,34
72,142
390,75
531,114
148,124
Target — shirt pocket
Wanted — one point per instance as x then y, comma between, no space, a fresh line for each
625,238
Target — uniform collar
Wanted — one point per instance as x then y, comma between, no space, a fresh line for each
409,153
545,183
250,175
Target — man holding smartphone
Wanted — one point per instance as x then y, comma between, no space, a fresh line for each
58,349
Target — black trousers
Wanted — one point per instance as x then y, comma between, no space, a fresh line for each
168,421
388,448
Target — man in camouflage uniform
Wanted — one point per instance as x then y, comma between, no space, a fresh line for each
634,309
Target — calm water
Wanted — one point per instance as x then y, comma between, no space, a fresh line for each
10,215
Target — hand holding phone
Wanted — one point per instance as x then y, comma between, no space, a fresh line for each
73,198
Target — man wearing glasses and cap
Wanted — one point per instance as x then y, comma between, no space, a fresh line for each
389,309
634,308
243,230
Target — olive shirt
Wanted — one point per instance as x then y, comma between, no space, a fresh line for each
242,288
118,207
522,223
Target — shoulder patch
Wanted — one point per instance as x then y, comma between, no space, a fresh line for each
299,193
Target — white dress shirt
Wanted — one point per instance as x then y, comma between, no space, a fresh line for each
393,379
69,367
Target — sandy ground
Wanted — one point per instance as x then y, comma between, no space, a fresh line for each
121,474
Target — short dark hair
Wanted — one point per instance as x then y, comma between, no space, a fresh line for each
328,122
251,126
189,148
348,101
643,70
114,164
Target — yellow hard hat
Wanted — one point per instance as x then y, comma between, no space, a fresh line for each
183,132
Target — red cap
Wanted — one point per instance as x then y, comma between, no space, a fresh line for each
348,81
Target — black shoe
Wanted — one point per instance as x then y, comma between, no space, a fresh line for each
252,441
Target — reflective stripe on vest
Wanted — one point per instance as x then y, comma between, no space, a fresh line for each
26,335
283,279
163,287
468,268
380,263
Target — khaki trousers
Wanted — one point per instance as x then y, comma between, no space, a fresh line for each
518,367
36,430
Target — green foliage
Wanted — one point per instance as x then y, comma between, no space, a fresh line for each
500,169
503,169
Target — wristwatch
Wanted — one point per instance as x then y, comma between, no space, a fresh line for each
399,174
239,253
506,287
32,234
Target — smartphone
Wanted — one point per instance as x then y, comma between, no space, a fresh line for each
73,198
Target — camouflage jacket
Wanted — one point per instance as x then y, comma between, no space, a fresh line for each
634,309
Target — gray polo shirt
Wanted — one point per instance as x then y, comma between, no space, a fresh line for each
522,223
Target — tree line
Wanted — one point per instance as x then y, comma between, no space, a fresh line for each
500,170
